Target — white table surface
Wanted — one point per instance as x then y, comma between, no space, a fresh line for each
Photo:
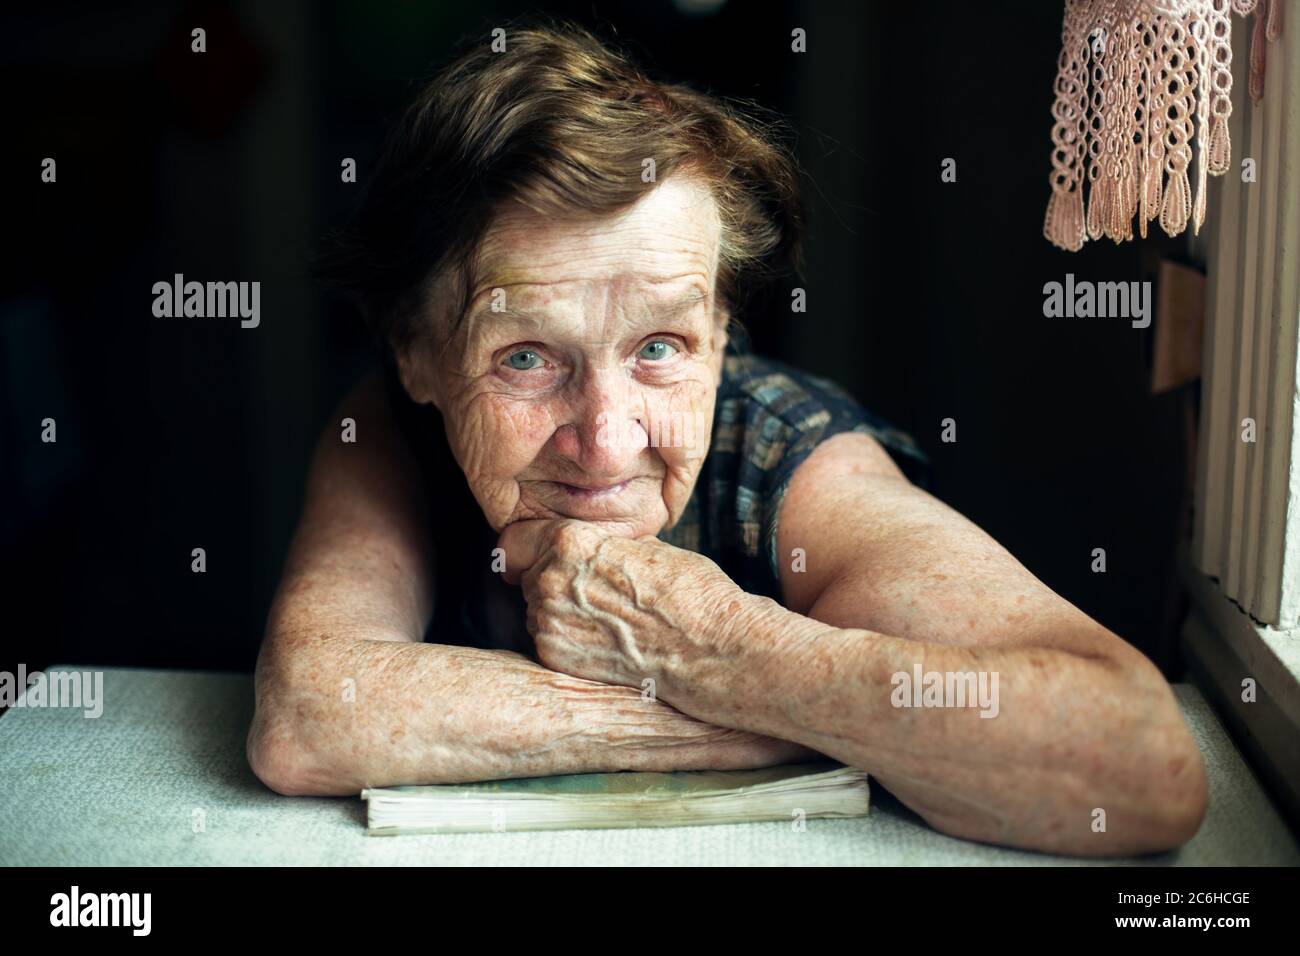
122,789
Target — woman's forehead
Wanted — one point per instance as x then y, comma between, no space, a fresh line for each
673,232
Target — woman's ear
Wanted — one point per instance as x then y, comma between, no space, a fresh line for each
720,345
417,370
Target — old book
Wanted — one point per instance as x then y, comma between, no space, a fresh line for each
601,800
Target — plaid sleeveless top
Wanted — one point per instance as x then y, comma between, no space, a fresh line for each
768,418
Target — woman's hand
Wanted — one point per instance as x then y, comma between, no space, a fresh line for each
612,609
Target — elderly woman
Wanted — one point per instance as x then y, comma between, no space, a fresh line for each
581,528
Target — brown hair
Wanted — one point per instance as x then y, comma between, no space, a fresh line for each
559,122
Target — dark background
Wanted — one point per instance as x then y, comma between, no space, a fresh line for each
925,298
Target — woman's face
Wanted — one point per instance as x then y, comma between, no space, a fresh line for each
581,383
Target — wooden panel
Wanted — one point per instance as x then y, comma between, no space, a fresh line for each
1246,318
1261,367
1277,597
1247,532
1218,431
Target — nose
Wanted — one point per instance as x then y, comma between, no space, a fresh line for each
605,432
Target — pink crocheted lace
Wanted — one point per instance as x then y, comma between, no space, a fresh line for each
1139,85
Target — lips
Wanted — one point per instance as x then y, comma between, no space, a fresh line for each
632,503
591,492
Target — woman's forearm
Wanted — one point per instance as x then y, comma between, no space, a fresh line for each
1064,735
336,715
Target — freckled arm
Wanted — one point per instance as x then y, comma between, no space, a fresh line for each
898,583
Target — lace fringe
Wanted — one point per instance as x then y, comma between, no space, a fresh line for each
1138,83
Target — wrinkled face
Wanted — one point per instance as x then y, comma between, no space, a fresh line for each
582,380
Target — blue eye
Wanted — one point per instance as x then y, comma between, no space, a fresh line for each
528,360
661,350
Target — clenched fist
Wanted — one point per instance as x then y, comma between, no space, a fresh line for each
612,609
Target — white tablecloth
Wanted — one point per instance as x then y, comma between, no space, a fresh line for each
128,787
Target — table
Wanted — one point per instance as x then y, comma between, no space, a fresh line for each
131,786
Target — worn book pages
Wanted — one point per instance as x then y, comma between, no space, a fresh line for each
792,792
